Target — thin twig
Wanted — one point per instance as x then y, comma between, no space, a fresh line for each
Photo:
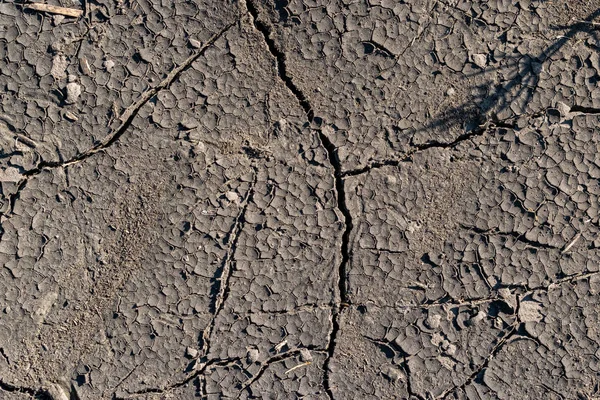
69,12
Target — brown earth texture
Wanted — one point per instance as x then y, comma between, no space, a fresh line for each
300,199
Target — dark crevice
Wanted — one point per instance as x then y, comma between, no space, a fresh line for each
519,237
415,148
409,387
73,395
223,274
585,110
39,394
372,46
567,279
280,58
265,30
3,354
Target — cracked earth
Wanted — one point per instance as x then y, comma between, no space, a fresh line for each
321,199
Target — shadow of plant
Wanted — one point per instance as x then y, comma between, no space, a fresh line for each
495,102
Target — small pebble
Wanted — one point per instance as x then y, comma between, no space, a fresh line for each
232,196
253,355
108,65
73,92
391,180
450,92
480,60
191,352
195,43
57,19
70,116
59,66
305,355
433,321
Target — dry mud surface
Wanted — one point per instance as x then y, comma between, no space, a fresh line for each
343,199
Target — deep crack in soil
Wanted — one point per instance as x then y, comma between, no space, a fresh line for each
280,58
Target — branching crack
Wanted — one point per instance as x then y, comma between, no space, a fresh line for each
280,58
201,370
519,237
126,118
511,331
416,148
212,364
265,364
404,365
224,273
567,279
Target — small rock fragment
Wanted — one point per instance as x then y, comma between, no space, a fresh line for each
477,318
450,92
57,19
253,355
70,116
73,92
108,65
563,109
450,349
232,196
508,297
59,66
57,392
480,60
84,65
281,345
433,321
391,180
191,352
529,311
195,43
305,355
10,174
447,362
